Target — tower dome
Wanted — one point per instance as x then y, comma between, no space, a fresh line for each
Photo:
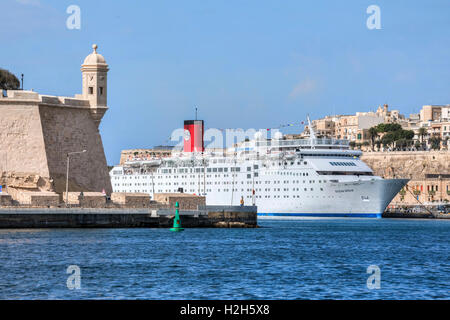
95,83
94,58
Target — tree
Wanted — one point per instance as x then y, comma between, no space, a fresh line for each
393,135
378,143
445,142
8,81
388,127
417,145
403,143
435,143
422,133
406,134
388,139
373,134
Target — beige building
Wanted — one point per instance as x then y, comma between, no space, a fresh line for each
353,127
434,188
38,131
325,127
431,113
436,120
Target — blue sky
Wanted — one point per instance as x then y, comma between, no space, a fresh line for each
245,64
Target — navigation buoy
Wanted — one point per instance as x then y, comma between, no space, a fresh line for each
176,222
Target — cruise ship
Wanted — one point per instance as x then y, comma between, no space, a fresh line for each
313,177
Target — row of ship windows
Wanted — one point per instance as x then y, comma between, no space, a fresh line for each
228,190
232,169
137,177
215,183
248,196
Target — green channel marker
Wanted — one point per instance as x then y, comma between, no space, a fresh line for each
177,222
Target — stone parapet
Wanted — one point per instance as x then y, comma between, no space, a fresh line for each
86,199
35,199
131,200
186,201
5,199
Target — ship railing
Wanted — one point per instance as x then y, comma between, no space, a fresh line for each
303,142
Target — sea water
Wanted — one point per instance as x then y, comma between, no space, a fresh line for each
288,259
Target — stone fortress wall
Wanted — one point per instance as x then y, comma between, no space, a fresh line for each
408,164
22,148
71,129
37,131
428,171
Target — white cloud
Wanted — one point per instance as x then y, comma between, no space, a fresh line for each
304,87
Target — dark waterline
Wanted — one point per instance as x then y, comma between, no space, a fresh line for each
301,259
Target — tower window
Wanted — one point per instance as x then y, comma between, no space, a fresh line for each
91,90
101,90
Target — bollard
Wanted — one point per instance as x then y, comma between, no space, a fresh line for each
176,222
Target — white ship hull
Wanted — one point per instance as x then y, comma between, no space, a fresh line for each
366,199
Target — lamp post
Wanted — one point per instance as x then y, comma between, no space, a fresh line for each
67,174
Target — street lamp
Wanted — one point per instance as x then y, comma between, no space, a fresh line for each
67,174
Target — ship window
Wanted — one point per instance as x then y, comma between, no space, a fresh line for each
249,176
249,168
214,169
220,169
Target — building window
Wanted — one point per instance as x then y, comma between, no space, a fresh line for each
101,90
91,90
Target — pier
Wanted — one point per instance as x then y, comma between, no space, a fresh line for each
203,217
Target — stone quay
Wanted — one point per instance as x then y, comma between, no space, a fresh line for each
203,217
